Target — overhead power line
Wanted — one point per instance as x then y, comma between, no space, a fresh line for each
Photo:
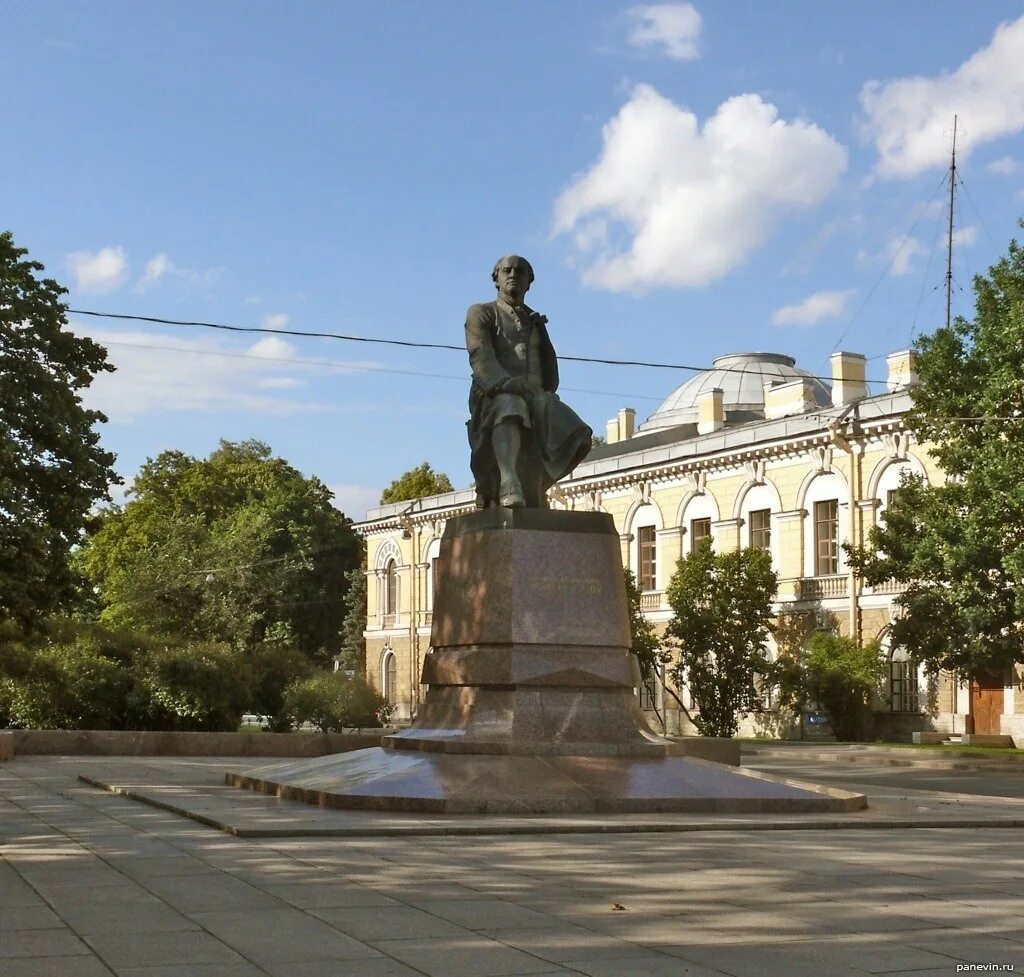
413,344
348,367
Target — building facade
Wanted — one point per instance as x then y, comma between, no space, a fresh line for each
754,452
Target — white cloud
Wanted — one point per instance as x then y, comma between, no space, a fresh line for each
102,271
965,236
280,383
354,500
901,251
156,268
674,27
157,374
686,204
814,309
276,321
161,268
910,119
273,348
1004,166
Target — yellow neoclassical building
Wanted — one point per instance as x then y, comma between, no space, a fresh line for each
753,452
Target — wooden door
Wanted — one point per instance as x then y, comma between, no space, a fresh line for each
986,703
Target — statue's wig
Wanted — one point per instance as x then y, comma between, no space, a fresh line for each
519,258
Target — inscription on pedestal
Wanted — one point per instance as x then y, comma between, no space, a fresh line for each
564,585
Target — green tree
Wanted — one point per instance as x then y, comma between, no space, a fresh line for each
237,548
352,656
841,676
722,613
959,547
643,635
52,469
417,483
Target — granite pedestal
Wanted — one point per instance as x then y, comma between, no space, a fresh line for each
530,705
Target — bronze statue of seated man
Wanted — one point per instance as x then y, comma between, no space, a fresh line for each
522,437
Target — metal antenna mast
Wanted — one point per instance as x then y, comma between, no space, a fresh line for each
949,248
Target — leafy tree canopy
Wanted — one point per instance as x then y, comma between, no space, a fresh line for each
352,656
960,546
837,673
239,547
417,483
52,468
722,613
644,636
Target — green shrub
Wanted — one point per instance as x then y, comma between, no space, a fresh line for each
842,676
331,702
65,686
190,687
273,667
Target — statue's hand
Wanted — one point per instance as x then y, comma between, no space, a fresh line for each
515,385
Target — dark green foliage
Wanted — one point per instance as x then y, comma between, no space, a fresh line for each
960,546
332,702
722,612
842,676
234,548
52,469
644,637
273,665
189,687
417,483
75,675
352,656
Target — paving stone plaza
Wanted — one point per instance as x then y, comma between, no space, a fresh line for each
94,883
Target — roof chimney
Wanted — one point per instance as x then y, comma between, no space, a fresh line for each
611,431
902,370
710,411
793,397
627,422
848,378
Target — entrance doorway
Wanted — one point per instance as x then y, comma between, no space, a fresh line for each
986,703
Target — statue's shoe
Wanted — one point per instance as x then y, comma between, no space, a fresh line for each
511,496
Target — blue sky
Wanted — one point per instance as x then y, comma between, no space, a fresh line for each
688,181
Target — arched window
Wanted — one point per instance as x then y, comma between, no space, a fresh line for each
903,688
391,588
389,677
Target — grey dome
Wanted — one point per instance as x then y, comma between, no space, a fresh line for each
741,377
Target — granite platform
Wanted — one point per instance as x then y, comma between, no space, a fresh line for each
530,705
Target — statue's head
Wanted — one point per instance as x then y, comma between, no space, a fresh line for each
512,276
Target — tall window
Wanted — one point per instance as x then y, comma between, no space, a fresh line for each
761,529
826,538
390,678
433,582
648,697
699,529
391,588
903,692
648,563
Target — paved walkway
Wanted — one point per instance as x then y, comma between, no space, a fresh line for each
92,883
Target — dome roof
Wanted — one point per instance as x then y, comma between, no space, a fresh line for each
741,377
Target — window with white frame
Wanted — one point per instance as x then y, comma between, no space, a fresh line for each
826,537
647,564
825,529
389,677
697,518
391,588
